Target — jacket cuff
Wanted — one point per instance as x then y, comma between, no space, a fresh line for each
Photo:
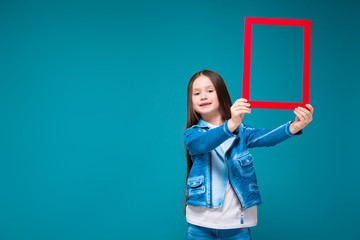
287,130
227,131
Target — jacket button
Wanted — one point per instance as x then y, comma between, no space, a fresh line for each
247,160
194,183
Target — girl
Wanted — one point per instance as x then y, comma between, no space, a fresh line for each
221,187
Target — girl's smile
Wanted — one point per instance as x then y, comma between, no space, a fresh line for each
205,104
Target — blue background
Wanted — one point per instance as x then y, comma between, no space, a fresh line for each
93,108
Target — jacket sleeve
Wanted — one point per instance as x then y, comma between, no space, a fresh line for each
197,141
260,137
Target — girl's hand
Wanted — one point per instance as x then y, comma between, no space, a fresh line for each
303,118
238,109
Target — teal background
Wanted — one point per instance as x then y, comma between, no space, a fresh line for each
93,108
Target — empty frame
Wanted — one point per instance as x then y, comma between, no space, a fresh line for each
306,24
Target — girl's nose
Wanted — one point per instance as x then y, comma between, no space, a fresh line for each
203,96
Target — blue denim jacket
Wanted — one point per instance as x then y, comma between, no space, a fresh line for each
204,143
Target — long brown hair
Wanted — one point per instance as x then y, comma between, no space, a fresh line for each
194,117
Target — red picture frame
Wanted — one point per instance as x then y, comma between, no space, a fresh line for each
249,21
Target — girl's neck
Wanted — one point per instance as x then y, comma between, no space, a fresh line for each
214,120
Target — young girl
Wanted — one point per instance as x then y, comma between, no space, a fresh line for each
221,187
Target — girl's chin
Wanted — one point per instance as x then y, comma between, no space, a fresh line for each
206,113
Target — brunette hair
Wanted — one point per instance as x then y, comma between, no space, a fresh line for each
194,117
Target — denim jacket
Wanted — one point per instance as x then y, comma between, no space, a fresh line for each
202,143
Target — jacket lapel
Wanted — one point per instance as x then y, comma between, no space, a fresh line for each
220,152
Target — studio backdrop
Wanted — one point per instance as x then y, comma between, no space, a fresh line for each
93,109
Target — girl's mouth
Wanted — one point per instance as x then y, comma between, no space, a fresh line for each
205,104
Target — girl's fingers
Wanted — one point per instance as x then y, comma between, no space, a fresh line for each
299,115
240,103
304,110
242,110
240,100
306,113
303,115
310,108
241,107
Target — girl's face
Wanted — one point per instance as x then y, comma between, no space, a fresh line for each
204,97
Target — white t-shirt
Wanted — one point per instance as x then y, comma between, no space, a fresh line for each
226,217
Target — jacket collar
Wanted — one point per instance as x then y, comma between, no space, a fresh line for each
202,123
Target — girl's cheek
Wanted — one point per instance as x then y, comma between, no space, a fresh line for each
194,105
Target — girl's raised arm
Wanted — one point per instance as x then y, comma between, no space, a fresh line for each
260,137
197,141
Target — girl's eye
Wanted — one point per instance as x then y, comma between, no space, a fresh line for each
211,90
196,93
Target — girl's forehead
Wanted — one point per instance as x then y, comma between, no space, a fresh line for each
202,82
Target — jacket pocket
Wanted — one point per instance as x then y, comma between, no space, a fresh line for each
246,164
195,185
